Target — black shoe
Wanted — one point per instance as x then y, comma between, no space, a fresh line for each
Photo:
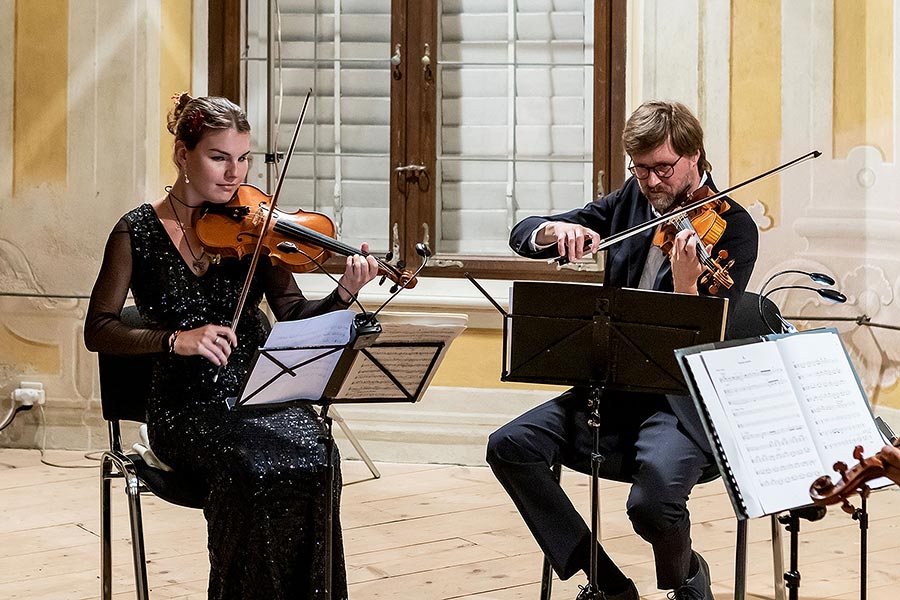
695,587
586,592
629,593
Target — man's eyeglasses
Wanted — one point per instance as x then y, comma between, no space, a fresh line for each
662,171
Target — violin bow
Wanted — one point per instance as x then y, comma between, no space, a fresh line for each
614,239
265,227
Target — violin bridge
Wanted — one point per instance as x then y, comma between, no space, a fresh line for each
258,217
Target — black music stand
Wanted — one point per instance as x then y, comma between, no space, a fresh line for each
389,371
604,338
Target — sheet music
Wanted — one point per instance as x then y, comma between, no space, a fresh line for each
408,363
329,329
765,424
268,383
730,448
830,396
784,412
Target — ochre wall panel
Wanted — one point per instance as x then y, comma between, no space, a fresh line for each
41,93
475,360
755,116
863,76
175,62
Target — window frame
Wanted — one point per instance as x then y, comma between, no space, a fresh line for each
411,214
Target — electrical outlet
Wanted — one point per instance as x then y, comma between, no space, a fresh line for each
29,393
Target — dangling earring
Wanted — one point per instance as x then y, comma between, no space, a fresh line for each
186,180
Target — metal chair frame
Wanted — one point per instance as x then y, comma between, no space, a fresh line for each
124,381
740,562
116,464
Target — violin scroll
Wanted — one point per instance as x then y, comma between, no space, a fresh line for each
717,276
825,491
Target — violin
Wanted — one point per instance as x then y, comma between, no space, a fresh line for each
824,491
298,242
690,206
707,222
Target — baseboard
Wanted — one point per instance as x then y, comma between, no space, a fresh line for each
448,426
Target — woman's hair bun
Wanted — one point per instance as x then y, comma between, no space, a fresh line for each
190,118
180,100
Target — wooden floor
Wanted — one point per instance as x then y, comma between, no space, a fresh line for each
421,531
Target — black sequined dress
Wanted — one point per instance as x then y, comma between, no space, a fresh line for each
264,468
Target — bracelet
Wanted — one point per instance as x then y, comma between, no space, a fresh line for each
172,339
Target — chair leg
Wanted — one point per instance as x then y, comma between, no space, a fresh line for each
133,493
546,579
740,560
546,569
105,531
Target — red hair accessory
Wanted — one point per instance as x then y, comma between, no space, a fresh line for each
196,121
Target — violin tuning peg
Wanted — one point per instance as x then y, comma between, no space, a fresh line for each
394,288
389,256
841,467
381,281
401,265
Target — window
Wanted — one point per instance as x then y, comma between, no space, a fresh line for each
444,121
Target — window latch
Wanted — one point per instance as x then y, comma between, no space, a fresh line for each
395,63
417,173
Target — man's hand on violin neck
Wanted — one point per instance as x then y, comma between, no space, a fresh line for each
572,241
686,266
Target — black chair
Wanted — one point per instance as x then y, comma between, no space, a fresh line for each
124,382
753,316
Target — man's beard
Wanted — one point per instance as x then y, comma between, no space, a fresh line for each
665,202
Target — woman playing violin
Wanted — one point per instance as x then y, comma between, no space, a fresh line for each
264,470
654,442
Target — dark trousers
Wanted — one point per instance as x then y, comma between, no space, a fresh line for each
642,444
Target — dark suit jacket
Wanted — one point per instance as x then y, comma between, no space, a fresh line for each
626,208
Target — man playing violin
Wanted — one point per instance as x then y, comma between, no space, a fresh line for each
654,442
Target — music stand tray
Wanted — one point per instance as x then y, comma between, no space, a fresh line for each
594,335
397,367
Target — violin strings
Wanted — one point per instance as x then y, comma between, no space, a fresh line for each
685,224
326,242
